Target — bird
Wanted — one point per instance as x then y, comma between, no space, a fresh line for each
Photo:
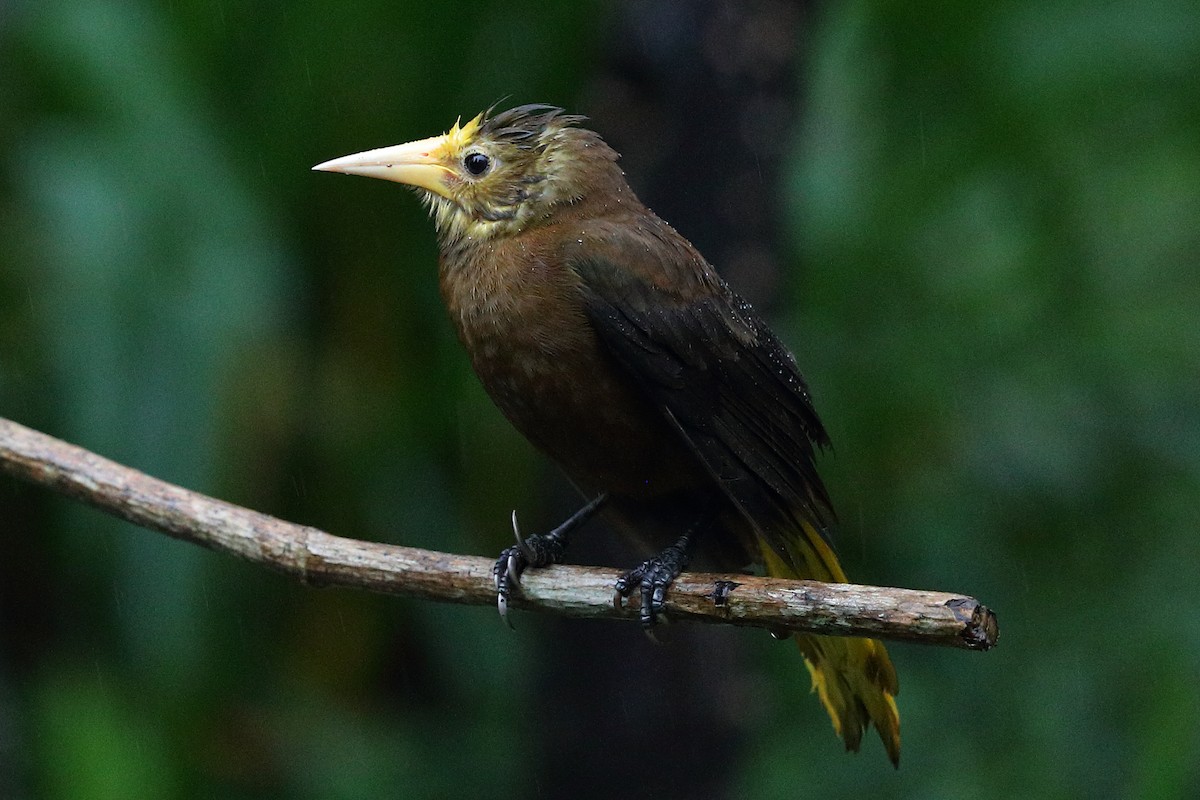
615,348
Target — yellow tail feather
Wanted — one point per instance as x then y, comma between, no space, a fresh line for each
854,678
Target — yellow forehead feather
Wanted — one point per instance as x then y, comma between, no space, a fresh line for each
460,135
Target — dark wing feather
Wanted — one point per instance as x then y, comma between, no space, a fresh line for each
728,385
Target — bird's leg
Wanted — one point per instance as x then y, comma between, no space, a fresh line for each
654,575
535,551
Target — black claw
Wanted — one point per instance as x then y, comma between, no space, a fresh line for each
653,576
501,575
534,551
502,607
525,548
513,562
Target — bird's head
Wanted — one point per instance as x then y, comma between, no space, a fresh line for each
497,174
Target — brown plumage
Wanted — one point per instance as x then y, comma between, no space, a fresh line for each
613,346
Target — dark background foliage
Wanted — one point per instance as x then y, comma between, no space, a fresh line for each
976,226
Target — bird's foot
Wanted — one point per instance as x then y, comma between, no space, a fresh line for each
654,575
534,551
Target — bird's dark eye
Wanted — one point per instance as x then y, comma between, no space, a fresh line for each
476,163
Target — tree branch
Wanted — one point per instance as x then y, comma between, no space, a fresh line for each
321,559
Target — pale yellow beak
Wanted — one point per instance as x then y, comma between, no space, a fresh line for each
416,164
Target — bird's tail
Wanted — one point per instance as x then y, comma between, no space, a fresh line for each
854,678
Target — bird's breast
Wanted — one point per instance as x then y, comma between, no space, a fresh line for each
520,317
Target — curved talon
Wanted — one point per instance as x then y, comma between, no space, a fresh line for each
536,551
506,572
517,530
521,543
502,607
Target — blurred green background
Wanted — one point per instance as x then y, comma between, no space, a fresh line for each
986,227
